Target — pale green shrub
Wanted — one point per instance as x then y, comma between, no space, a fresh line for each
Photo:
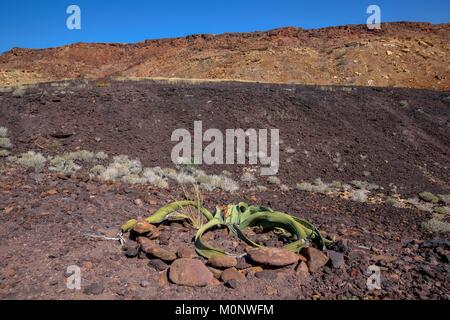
30,159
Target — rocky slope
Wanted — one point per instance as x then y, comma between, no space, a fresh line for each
414,55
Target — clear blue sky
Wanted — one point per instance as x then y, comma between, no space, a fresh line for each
42,23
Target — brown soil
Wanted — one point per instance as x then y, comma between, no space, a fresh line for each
45,217
412,55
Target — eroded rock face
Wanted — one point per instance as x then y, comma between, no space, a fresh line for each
222,261
274,257
190,272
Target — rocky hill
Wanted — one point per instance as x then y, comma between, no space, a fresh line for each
413,55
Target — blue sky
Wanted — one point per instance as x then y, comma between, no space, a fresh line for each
42,23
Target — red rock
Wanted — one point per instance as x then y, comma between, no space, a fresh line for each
190,272
186,253
275,257
316,258
222,261
232,274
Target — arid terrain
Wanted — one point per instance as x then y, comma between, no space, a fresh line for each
368,166
407,54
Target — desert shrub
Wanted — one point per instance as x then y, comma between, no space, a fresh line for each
445,198
336,184
359,195
274,180
134,178
184,178
101,155
5,143
442,210
364,185
317,186
260,188
19,91
395,202
428,197
437,226
154,177
227,173
169,173
228,185
121,167
428,207
290,150
4,153
30,159
63,165
97,170
5,89
3,132
248,177
81,155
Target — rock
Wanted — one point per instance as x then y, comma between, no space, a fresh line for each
144,284
232,274
316,258
94,289
275,257
266,274
216,272
139,203
242,263
142,227
146,243
161,253
157,264
222,261
302,270
233,284
341,246
190,272
186,253
336,259
130,249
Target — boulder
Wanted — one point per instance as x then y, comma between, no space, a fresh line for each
232,274
275,257
222,261
316,258
190,272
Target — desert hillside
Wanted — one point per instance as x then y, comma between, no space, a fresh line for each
411,55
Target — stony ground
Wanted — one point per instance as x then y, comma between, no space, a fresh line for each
46,216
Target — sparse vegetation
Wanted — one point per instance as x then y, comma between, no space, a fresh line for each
360,195
248,177
274,180
444,198
5,143
29,159
4,153
436,225
64,165
428,197
442,210
3,132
